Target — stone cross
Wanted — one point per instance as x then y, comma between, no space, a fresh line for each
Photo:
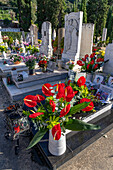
72,40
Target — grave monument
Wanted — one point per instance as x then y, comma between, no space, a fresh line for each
46,47
86,39
34,34
104,34
72,40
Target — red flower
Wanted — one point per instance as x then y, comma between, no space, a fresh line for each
30,101
65,110
92,62
81,81
100,59
84,59
88,66
17,128
68,83
40,98
69,94
96,65
61,91
53,105
92,55
46,89
95,50
86,56
80,63
88,108
34,115
56,132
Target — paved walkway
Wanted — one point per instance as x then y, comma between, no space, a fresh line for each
98,156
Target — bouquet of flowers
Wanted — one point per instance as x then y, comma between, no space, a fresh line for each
5,39
70,64
43,61
57,110
30,61
15,58
91,63
53,58
3,48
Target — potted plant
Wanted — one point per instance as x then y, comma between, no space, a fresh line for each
16,59
43,64
55,115
30,62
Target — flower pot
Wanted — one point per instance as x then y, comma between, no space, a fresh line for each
17,62
31,71
57,147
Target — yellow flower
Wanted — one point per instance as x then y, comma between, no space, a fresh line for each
97,53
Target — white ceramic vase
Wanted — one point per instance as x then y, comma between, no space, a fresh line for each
57,147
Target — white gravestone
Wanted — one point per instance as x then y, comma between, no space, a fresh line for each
72,40
86,39
46,46
104,34
108,66
54,34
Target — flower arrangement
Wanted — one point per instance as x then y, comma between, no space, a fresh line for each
30,61
5,39
15,58
53,58
3,48
32,49
91,63
43,61
56,113
70,64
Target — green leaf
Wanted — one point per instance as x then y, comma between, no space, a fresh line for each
79,125
38,136
78,107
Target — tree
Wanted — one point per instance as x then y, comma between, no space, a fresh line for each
109,23
97,14
83,8
75,6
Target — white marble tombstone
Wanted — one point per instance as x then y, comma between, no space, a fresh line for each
108,67
104,34
34,34
1,40
46,46
86,39
72,40
54,34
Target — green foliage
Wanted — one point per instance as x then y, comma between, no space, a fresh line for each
14,35
83,8
55,44
109,24
78,125
62,43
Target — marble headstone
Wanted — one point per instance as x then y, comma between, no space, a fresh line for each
46,46
104,34
108,66
54,34
72,40
34,34
87,39
61,34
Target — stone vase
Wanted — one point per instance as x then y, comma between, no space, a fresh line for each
57,147
59,64
31,71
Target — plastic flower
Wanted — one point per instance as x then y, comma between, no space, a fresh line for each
39,98
65,110
30,101
34,115
53,105
88,108
80,63
46,89
56,132
81,81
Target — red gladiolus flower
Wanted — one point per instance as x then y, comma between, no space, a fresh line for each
53,105
56,132
88,108
92,62
96,65
81,81
69,94
88,66
86,56
92,55
34,115
30,101
40,98
80,63
46,89
84,59
65,110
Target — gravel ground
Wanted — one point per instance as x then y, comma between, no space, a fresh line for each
8,159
